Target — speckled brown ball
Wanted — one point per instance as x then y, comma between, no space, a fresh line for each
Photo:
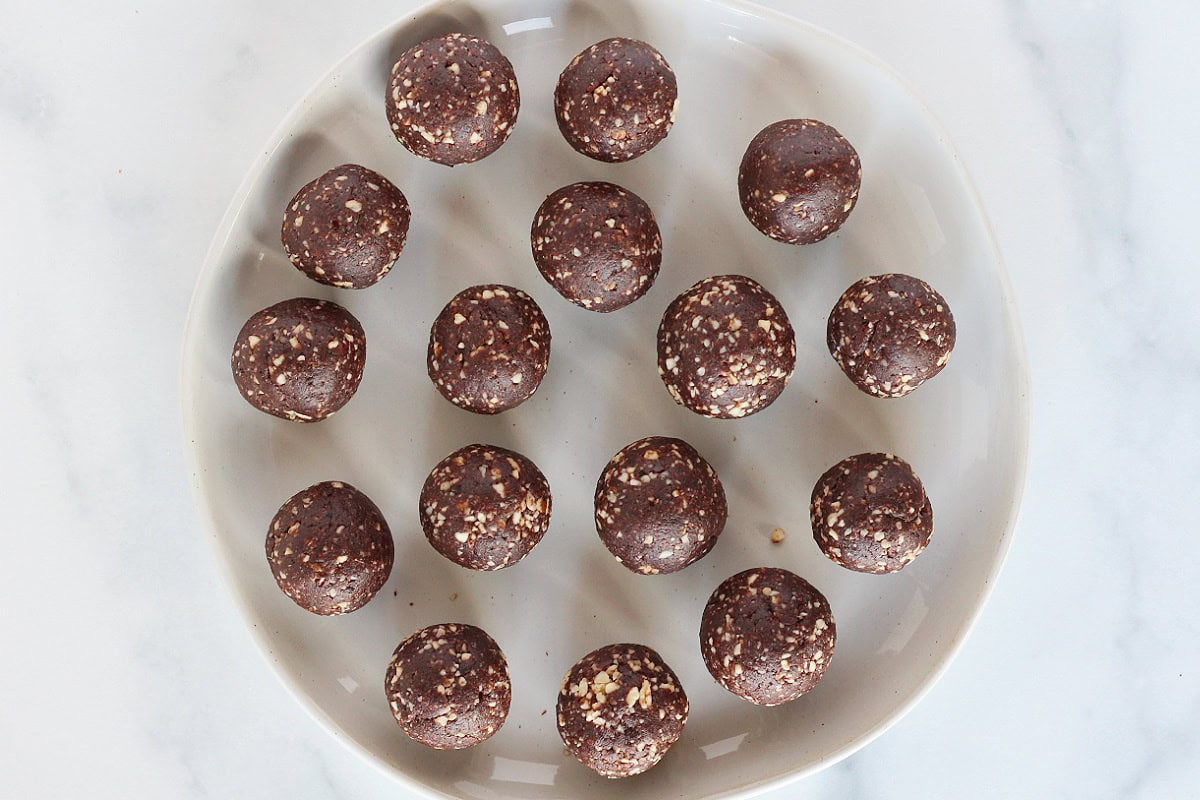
489,348
301,359
597,244
620,708
330,548
659,505
485,507
453,99
799,180
725,347
767,635
346,228
616,100
870,513
890,334
448,686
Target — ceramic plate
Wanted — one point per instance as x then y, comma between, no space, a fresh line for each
739,68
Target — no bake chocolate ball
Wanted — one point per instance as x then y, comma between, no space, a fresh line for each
620,708
448,686
799,180
870,513
890,334
301,359
767,635
616,100
489,348
346,228
485,507
330,548
453,99
725,347
597,244
659,505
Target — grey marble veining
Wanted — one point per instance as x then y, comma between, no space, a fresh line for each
127,671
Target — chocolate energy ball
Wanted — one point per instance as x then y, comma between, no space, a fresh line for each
767,635
330,548
616,100
620,708
346,228
597,244
799,180
485,507
725,347
453,99
890,334
301,359
489,348
659,505
870,513
448,686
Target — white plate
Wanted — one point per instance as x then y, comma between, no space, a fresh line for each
739,68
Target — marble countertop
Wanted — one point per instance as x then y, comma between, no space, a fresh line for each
126,127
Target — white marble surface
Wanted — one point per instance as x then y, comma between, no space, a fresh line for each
125,128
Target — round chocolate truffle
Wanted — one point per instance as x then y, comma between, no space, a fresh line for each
448,686
301,359
620,709
870,513
489,348
890,334
330,548
799,180
453,99
597,244
485,507
767,635
659,505
725,347
616,100
346,228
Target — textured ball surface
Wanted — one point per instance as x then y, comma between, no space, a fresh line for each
616,100
726,348
453,99
890,334
489,348
301,359
346,228
597,244
448,686
659,506
330,548
767,635
485,507
620,709
870,513
799,180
